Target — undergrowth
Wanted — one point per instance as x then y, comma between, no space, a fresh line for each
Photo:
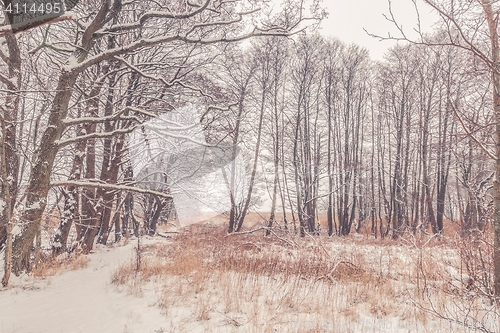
205,280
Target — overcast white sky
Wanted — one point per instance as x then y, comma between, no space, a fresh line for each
347,18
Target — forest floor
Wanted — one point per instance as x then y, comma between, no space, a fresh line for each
199,279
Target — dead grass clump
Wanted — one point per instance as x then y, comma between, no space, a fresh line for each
122,275
48,265
180,263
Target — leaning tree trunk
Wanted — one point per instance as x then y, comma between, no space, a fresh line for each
255,160
38,184
45,154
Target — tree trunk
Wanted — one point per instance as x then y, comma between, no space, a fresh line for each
71,202
492,20
275,191
232,213
329,212
87,230
255,160
38,184
10,116
5,200
158,207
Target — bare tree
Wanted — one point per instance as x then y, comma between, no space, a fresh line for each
221,24
11,80
263,80
473,27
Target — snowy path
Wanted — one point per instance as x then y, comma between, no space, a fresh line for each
81,301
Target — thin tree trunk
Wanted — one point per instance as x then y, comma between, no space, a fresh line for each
329,163
255,160
153,222
5,200
276,144
232,213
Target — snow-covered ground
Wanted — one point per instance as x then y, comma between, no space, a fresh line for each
198,280
77,301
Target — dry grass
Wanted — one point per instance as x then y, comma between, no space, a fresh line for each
49,265
206,281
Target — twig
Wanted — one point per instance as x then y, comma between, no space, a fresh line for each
262,228
246,232
222,243
329,275
249,243
233,321
293,244
317,243
470,134
168,232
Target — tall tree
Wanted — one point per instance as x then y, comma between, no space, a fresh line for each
221,24
455,18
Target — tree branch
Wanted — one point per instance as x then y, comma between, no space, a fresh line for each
63,143
490,155
155,14
97,120
108,54
94,184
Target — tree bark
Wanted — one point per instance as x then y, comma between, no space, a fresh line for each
10,116
38,185
492,20
255,160
5,200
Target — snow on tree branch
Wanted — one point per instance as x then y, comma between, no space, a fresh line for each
62,143
118,115
116,187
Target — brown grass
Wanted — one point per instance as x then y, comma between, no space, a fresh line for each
49,265
262,283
